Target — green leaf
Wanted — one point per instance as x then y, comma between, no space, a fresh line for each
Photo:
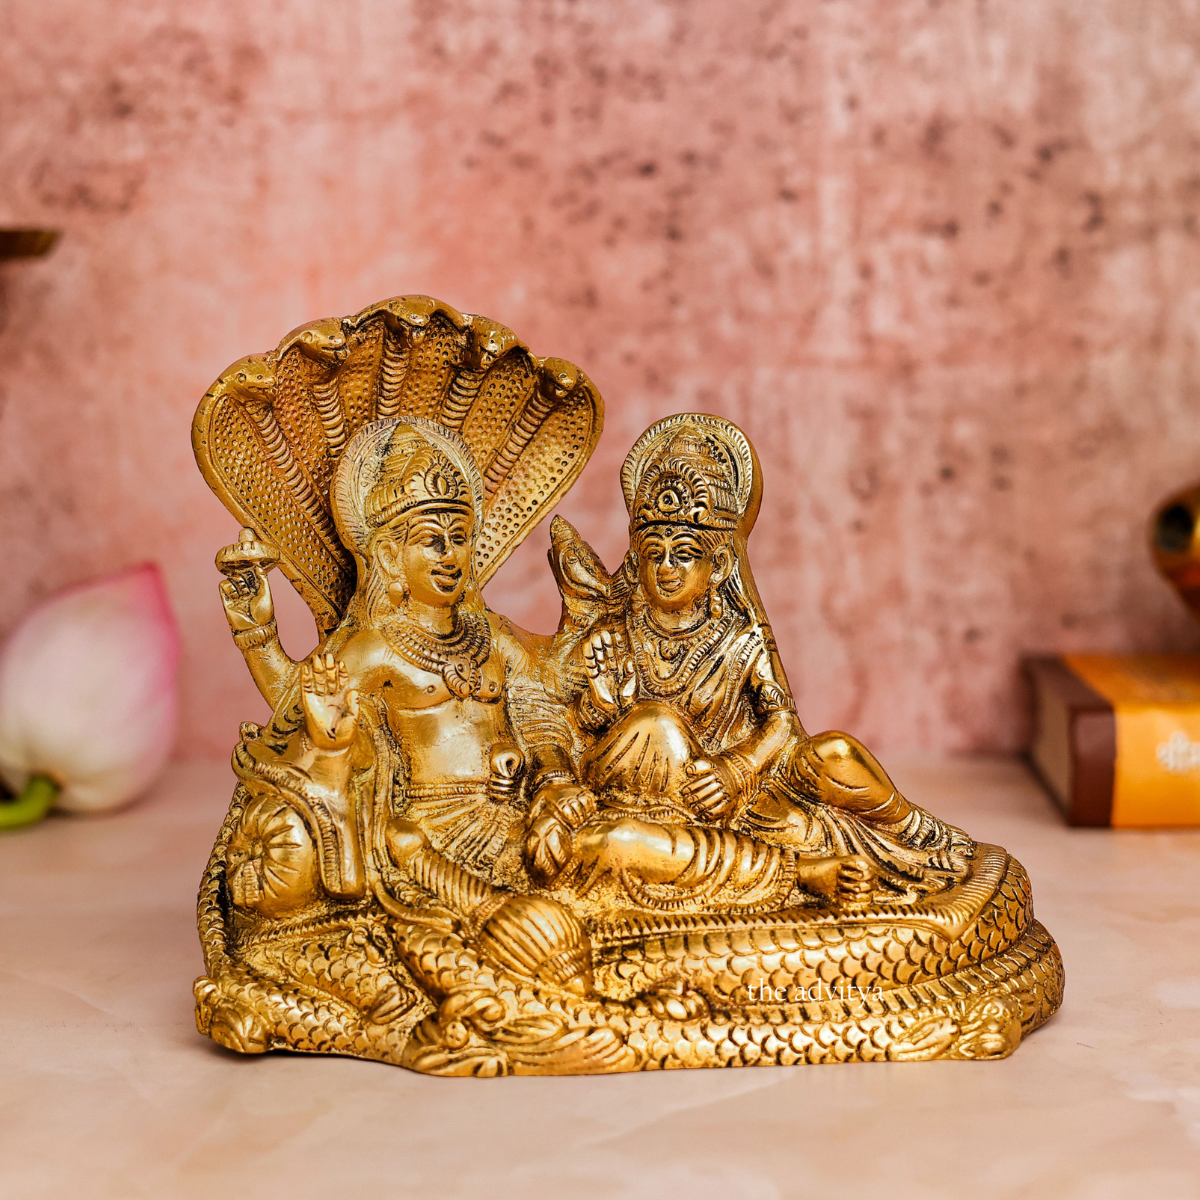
31,805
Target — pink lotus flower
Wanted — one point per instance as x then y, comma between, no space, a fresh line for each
88,697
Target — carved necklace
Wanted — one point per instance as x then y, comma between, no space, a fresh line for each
680,651
670,643
457,658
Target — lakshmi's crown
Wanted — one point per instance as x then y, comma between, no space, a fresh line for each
687,483
415,475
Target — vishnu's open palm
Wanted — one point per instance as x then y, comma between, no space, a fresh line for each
330,707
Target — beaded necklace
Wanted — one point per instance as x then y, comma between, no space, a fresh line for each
457,658
684,649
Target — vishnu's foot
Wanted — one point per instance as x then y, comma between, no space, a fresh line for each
849,880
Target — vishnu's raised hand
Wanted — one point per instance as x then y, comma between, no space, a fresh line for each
330,707
246,594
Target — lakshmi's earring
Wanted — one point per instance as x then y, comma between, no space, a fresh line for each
716,609
397,593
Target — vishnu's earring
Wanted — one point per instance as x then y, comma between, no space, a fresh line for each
716,609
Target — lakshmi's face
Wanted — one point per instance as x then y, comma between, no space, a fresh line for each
673,567
435,557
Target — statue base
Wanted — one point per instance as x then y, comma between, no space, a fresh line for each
964,974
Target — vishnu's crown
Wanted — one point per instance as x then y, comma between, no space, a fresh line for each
415,475
687,482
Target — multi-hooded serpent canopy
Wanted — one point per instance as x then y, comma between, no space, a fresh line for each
269,433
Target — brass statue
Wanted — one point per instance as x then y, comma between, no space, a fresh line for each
469,850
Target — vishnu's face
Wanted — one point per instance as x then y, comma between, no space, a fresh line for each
674,568
433,557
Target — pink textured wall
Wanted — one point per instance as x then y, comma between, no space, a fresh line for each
940,260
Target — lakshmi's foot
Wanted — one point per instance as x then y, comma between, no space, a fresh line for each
849,881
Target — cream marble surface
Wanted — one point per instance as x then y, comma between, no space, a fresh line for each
108,1091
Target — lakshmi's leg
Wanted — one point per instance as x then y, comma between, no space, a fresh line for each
837,769
716,867
644,754
642,758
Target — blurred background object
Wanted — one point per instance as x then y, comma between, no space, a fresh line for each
1176,546
1116,737
89,697
26,243
941,262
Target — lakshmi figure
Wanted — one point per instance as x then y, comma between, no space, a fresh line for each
704,774
419,684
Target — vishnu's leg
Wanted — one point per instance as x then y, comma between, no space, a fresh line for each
688,855
653,852
728,868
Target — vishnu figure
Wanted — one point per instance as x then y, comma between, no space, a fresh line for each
707,783
421,705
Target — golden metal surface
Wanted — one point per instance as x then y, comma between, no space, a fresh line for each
469,850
